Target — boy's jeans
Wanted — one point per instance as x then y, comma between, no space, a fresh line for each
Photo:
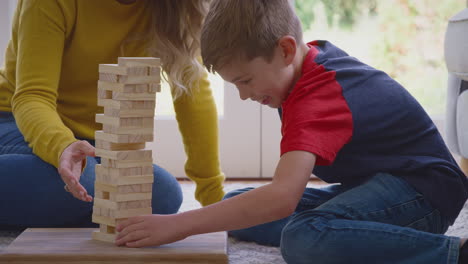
383,220
32,193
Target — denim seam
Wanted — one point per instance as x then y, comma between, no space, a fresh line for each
454,250
389,209
367,229
423,218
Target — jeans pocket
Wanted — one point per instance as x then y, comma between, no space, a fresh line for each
432,222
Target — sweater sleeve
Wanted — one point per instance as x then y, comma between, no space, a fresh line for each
41,33
198,123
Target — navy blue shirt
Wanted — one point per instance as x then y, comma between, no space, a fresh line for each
358,121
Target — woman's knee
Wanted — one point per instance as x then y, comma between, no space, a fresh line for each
167,193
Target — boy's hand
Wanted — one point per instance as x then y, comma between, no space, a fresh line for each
149,230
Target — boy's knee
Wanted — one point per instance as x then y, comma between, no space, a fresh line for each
300,239
237,192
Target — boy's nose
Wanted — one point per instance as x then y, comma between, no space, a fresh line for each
243,95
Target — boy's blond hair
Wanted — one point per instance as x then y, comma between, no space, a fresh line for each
246,29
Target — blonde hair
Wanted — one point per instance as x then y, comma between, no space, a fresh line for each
175,38
246,29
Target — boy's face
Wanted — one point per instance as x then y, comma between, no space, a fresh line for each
263,82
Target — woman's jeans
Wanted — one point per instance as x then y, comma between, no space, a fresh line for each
383,220
32,193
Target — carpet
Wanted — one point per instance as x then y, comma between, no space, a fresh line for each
251,253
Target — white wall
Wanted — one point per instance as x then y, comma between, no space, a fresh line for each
7,8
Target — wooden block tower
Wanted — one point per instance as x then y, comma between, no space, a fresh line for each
124,179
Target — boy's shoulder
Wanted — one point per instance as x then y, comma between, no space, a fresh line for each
327,49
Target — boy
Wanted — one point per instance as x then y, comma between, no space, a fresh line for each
399,187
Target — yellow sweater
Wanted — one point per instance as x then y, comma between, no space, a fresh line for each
51,71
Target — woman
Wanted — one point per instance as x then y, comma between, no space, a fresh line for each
48,103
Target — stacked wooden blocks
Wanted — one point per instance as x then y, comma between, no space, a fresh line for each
124,179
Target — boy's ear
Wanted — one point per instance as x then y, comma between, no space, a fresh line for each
288,48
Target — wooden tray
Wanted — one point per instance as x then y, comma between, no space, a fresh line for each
74,245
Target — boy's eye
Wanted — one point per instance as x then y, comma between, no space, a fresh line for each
245,81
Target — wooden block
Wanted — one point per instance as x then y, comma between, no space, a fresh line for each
74,245
139,61
109,163
126,88
126,130
134,204
129,79
101,144
103,228
119,197
135,188
107,229
106,220
137,79
156,71
113,205
138,88
131,212
126,104
101,194
133,96
124,154
113,69
125,172
109,77
96,235
130,197
109,179
103,204
104,94
115,112
124,70
154,88
105,188
102,211
122,91
124,189
121,213
103,176
135,122
122,139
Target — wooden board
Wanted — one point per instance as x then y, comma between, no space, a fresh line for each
74,245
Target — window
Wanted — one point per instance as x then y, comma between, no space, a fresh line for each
403,38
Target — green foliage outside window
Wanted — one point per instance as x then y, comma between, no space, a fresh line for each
404,38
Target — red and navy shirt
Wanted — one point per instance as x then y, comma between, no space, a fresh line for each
358,121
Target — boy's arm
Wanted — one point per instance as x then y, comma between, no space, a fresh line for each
261,205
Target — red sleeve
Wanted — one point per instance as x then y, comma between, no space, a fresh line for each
316,118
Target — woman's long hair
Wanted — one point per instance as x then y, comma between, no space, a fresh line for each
175,38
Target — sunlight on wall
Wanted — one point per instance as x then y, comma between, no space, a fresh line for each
164,104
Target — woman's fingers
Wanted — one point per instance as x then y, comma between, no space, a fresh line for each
86,149
74,187
71,165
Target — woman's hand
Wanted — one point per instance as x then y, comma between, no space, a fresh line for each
70,166
150,230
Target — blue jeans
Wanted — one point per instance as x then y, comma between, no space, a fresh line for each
383,220
32,193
